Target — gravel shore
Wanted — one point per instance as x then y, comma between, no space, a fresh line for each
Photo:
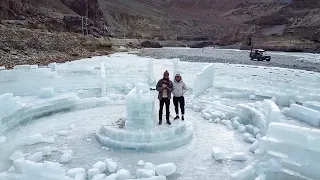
303,61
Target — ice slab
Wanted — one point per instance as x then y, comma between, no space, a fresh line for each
254,146
141,163
123,174
239,156
145,173
73,172
217,153
203,80
111,165
3,141
261,177
99,177
34,139
304,114
80,176
36,157
100,165
315,105
150,166
46,92
166,169
151,141
65,158
244,174
46,151
16,155
92,172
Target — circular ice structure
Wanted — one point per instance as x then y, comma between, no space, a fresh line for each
140,133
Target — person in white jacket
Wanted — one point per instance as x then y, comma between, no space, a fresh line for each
179,88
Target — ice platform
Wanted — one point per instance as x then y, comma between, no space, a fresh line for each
159,138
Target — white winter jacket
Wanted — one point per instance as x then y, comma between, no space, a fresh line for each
179,88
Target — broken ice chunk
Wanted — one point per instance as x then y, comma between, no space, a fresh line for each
239,156
123,174
150,166
141,163
217,153
73,172
145,173
34,139
100,165
36,157
166,169
66,158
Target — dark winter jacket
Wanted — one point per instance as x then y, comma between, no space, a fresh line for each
160,88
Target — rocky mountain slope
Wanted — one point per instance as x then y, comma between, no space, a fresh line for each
43,31
274,25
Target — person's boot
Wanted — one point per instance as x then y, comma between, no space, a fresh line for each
177,117
182,117
168,120
160,119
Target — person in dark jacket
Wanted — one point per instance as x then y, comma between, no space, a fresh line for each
179,88
164,87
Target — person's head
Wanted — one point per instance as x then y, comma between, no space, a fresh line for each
177,77
166,75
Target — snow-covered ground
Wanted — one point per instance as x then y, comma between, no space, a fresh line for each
64,102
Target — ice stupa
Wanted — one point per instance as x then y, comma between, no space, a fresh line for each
140,132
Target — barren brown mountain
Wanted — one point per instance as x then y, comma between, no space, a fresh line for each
273,25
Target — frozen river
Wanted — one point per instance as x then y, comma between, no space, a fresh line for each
305,61
233,84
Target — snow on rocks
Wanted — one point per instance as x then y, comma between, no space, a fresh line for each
239,156
111,165
145,173
150,166
217,153
101,166
54,149
254,146
73,172
65,158
166,169
36,157
123,174
141,163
